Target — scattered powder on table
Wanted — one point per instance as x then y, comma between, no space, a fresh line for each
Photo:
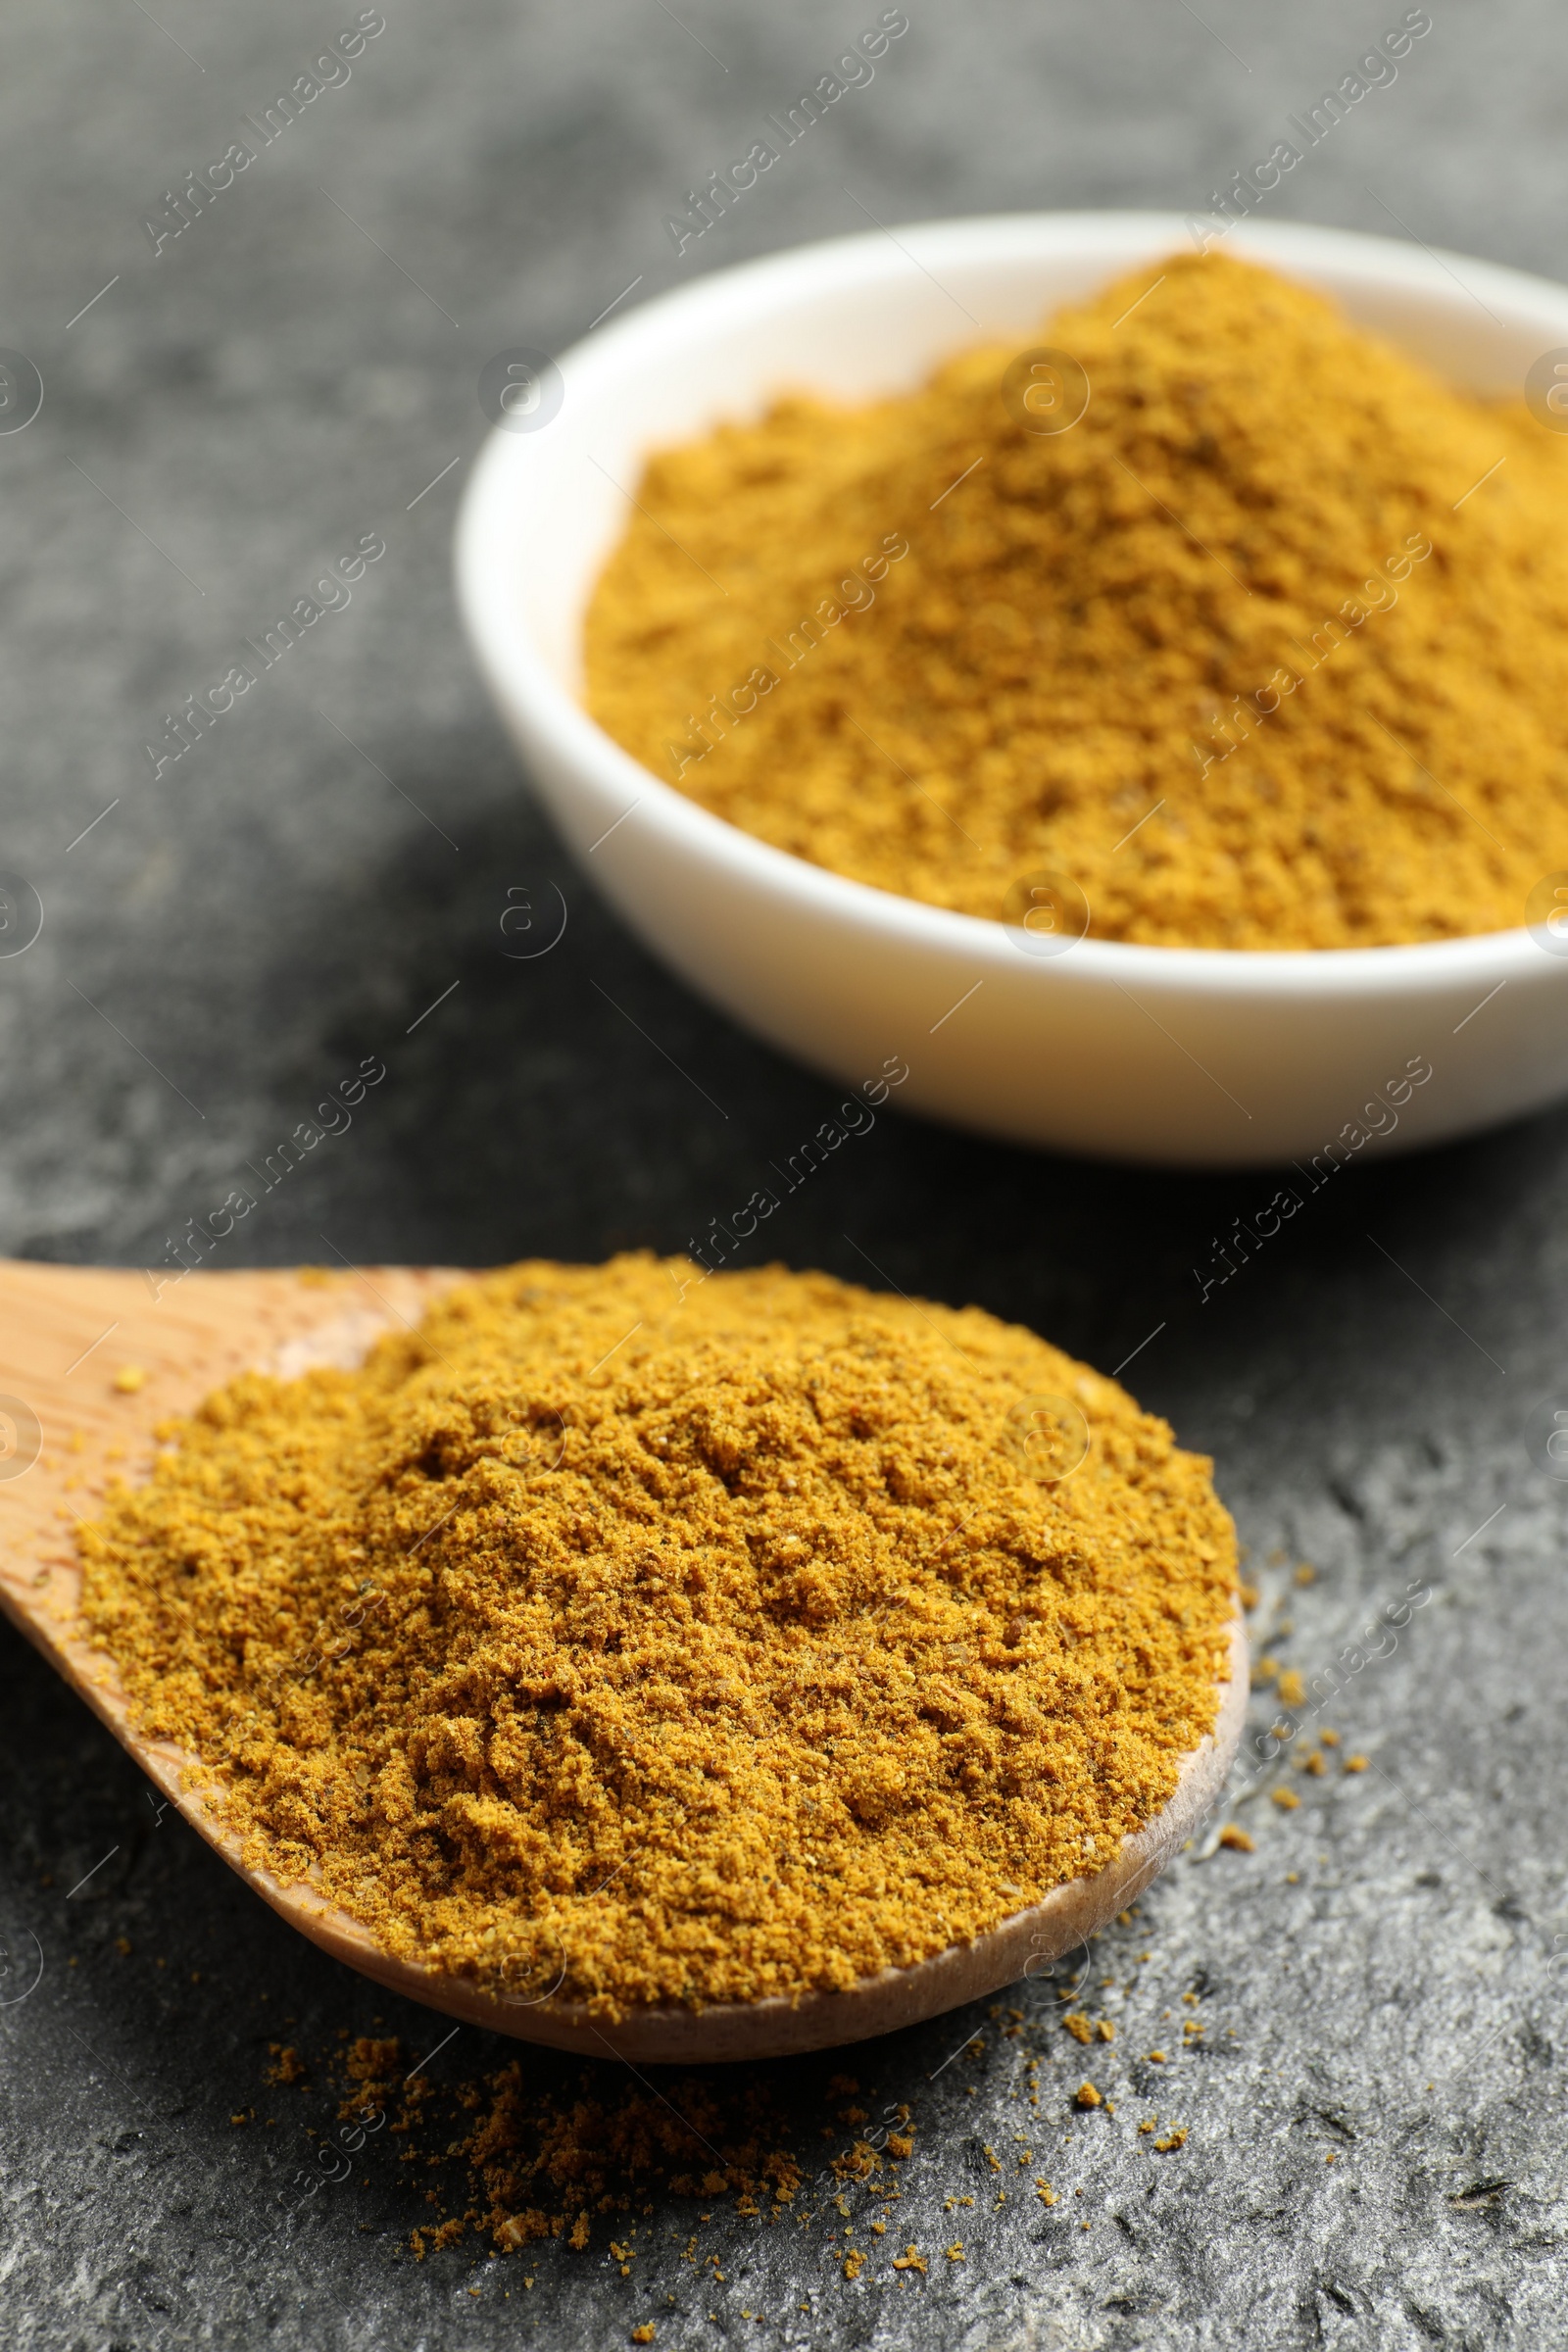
657,1638
1268,650
545,2148
546,2152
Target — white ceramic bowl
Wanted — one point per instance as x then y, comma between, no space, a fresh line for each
1192,1055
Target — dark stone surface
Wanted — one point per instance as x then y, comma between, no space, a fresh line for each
1377,1981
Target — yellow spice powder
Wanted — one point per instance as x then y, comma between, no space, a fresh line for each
1268,650
652,1636
547,2149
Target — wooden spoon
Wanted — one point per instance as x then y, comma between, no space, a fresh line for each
92,1360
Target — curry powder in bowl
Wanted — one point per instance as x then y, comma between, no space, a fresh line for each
1218,609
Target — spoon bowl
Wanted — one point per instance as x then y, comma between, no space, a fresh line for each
91,1361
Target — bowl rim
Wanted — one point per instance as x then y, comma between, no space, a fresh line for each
510,467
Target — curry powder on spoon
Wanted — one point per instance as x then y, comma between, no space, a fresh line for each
654,1638
1267,648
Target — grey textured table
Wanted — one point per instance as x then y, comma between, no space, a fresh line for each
1378,1980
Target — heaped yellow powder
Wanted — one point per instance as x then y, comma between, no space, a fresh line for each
652,1636
1268,650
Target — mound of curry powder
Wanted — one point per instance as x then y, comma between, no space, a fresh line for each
653,1637
1267,646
